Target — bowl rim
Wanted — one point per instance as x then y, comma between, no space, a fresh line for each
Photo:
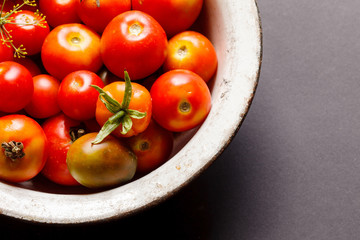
164,193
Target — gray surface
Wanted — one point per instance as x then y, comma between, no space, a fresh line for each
293,170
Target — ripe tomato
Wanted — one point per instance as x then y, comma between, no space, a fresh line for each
6,52
175,16
44,103
59,12
61,131
133,41
192,51
28,29
76,98
9,4
97,16
16,86
181,100
151,147
30,65
105,164
24,148
140,101
71,47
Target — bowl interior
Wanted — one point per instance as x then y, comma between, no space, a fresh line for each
233,26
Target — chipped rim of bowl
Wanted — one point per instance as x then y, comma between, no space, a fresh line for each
242,55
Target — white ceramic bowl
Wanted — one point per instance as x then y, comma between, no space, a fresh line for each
235,30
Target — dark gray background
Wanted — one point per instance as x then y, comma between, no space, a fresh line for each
293,170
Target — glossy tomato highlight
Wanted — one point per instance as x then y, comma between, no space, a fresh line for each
59,12
61,131
133,41
174,16
24,148
98,15
76,98
44,102
16,87
71,47
181,100
192,51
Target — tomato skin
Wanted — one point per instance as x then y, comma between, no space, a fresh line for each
151,147
192,51
44,103
181,100
30,65
6,53
140,101
20,128
69,48
133,41
57,131
31,36
98,17
105,164
76,98
15,80
59,12
174,16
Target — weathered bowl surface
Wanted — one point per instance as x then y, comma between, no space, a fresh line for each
234,28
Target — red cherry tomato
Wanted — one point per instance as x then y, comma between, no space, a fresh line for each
192,51
16,86
61,131
133,41
181,100
24,148
44,100
28,29
97,16
151,147
6,52
71,47
105,164
9,4
76,98
59,12
175,16
140,101
30,65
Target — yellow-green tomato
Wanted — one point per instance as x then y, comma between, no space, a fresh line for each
105,164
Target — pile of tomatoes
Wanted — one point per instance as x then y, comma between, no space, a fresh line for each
92,91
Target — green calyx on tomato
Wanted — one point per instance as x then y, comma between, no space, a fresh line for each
5,18
13,150
122,113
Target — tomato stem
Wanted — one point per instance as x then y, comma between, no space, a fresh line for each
122,113
76,132
13,150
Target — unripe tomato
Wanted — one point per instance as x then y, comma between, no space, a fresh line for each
192,51
24,148
133,41
16,86
44,102
181,100
105,164
71,47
